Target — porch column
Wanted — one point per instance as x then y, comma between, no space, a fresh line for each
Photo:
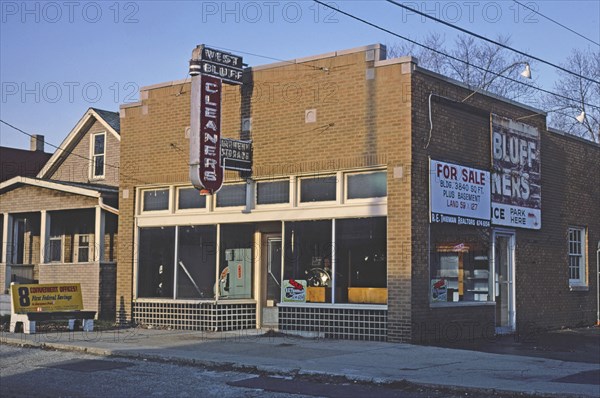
6,238
6,247
45,220
99,226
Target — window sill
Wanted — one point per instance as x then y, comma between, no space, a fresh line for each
462,304
579,288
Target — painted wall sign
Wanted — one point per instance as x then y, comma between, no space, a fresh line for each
236,154
516,177
458,194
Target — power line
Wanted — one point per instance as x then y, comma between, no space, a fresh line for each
556,22
272,58
492,41
450,56
73,153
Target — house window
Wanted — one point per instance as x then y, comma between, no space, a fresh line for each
83,248
577,274
272,192
232,195
367,185
98,154
55,249
318,189
190,198
155,200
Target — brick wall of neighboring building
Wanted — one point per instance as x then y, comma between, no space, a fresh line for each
570,196
76,167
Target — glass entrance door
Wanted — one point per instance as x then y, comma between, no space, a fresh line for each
271,268
504,270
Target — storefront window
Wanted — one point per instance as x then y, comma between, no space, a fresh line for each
235,269
361,264
196,250
308,257
190,198
155,262
460,266
318,189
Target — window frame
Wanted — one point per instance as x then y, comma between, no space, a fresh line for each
582,280
280,204
162,211
60,238
299,180
372,199
93,157
77,247
204,209
217,208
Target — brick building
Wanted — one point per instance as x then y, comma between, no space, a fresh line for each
60,226
334,232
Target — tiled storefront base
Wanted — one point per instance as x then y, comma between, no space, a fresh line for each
207,316
335,323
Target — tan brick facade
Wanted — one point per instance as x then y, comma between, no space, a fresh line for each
375,113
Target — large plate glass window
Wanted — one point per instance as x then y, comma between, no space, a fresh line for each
235,270
318,189
308,257
460,265
361,260
366,185
155,262
196,251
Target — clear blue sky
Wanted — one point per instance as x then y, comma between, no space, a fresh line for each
59,58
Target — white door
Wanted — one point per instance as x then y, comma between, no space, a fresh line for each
504,283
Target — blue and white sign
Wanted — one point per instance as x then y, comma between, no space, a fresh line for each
459,195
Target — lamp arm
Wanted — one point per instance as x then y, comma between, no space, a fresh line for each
486,84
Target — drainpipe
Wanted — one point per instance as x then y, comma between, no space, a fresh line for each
598,285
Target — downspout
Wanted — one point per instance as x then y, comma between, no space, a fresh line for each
598,285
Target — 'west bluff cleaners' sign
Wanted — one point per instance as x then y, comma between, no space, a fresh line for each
209,68
516,178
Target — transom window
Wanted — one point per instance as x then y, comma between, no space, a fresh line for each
190,198
155,200
318,189
98,154
366,185
232,195
577,256
271,192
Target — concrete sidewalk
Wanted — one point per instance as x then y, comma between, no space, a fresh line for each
356,360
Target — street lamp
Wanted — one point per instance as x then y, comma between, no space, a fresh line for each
526,73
